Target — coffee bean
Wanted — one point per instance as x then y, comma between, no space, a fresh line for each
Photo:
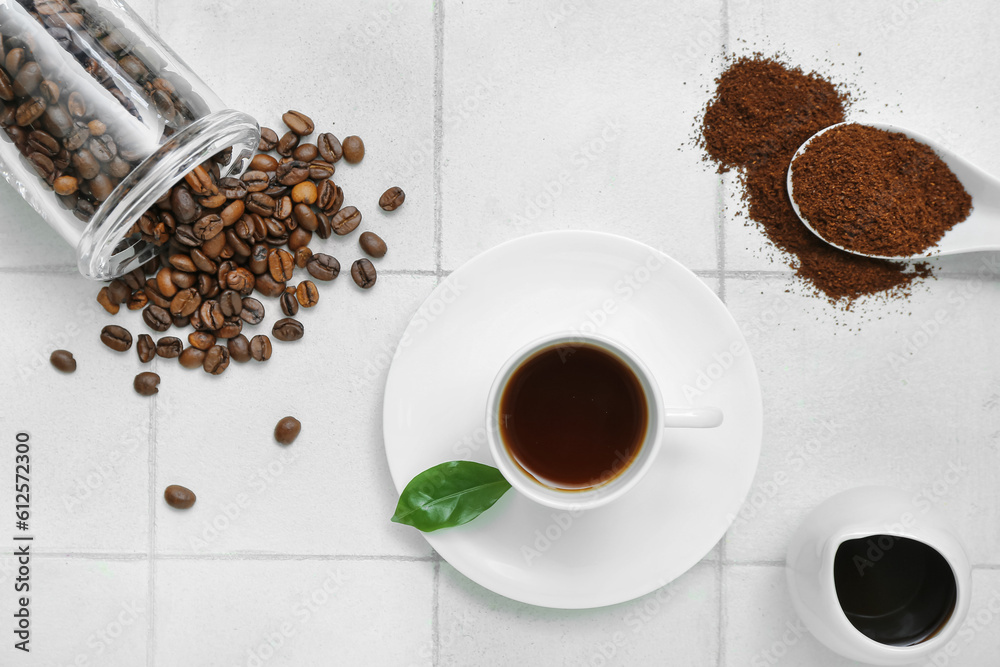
96,128
329,147
43,166
182,262
299,239
372,244
268,140
138,300
307,294
268,286
179,497
216,360
183,205
287,144
289,304
326,195
281,264
103,148
154,296
232,212
323,267
27,79
260,203
320,171
302,257
145,384
258,259
156,318
101,187
263,162
260,348
208,286
185,236
239,349
6,87
288,330
233,188
208,227
213,247
230,302
392,199
363,273
304,193
63,361
109,304
201,340
292,173
211,314
354,149
185,302
305,217
252,311
287,430
324,229
298,122
233,326
256,181
346,221
30,111
193,357
145,348
165,283
240,279
180,322
169,347
65,185
116,337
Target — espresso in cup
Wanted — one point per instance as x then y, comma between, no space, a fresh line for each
573,416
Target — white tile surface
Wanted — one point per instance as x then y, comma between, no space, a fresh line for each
476,109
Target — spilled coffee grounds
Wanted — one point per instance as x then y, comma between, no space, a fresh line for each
762,111
877,192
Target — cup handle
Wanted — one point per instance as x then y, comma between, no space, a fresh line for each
692,417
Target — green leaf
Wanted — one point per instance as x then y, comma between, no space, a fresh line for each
449,494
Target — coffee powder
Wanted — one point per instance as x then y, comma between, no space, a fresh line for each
877,192
760,114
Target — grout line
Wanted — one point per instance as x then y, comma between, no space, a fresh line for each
410,272
435,615
40,268
755,563
438,127
135,556
249,556
151,591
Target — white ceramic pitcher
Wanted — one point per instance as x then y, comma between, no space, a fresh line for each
862,513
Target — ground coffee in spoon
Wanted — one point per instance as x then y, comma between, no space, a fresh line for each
877,192
760,114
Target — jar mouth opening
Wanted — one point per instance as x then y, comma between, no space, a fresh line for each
105,250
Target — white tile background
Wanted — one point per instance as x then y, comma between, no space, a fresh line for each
498,119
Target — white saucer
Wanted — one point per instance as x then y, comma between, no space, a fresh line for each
435,403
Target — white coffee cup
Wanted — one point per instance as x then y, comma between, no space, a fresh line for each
623,475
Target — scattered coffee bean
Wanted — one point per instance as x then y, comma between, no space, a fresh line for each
288,142
288,330
363,272
268,140
323,267
354,149
287,429
156,318
192,357
329,147
346,221
289,303
63,361
239,349
307,294
298,122
372,244
109,304
216,360
117,338
145,348
306,152
169,347
391,199
260,348
146,383
179,497
252,311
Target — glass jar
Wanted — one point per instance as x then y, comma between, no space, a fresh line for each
99,119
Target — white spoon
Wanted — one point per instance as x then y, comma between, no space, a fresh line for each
977,233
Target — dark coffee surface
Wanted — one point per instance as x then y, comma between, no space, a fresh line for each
573,417
894,590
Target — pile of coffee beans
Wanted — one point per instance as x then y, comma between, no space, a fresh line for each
228,239
80,142
877,192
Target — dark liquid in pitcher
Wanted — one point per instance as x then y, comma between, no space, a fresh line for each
894,590
573,416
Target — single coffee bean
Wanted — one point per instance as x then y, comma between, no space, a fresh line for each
233,326
154,296
391,199
63,361
117,338
230,302
6,87
185,236
288,330
363,273
192,357
101,187
65,185
201,340
299,239
292,173
239,348
306,152
286,144
260,348
208,286
372,244
260,203
329,147
287,430
180,322
324,229
298,122
145,384
281,264
182,204
27,79
258,259
138,300
103,148
43,166
323,267
233,188
169,347
109,304
208,227
119,291
268,286
304,193
305,217
232,212
307,294
96,128
262,162
216,360
346,221
179,497
213,247
320,171
185,302
145,348
156,318
302,257
329,197
268,140
30,111
354,149
135,278
252,311
289,304
183,280
165,283
182,262
256,181
240,279
211,314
